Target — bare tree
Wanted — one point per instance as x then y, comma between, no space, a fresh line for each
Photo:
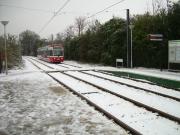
94,25
80,24
69,32
157,5
59,38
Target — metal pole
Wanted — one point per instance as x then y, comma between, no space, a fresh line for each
168,56
131,50
131,26
52,45
128,46
5,50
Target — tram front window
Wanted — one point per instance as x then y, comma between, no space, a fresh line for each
58,52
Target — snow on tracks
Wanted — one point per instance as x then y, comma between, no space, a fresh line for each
143,85
138,118
144,97
174,128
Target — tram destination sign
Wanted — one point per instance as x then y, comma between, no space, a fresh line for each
155,37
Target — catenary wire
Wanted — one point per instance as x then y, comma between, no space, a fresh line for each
55,14
106,8
25,8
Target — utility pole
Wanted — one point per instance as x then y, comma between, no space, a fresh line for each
52,44
131,26
5,50
128,40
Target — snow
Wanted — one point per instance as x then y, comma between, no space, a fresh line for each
26,69
143,71
31,103
138,118
150,99
155,73
54,66
154,88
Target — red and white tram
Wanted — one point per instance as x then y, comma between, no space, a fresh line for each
51,53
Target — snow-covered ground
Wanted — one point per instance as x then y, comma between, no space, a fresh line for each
150,99
154,88
144,71
31,103
144,121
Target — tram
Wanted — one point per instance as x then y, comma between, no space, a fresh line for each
51,53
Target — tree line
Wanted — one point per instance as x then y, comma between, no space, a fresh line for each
13,52
103,43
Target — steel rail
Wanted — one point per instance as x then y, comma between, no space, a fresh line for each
35,64
71,65
66,70
160,94
107,114
62,66
98,108
42,63
164,114
105,72
132,86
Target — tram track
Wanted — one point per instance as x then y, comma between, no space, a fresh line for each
132,130
163,113
133,86
42,63
107,114
152,109
71,65
98,108
137,80
129,78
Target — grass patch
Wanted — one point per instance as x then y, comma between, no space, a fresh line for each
58,90
173,84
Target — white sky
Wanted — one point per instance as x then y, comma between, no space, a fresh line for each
23,19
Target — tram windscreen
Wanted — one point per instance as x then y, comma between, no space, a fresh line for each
58,52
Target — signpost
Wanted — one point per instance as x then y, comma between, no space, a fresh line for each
155,37
119,61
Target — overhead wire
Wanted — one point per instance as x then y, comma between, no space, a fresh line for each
55,14
105,9
25,8
40,10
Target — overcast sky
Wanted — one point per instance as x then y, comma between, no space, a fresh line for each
22,18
